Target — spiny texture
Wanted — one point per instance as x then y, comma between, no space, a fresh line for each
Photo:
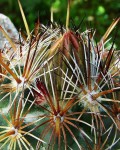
59,89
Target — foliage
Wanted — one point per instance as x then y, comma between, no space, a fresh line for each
97,13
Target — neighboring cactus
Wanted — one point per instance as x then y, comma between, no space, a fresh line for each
14,133
60,89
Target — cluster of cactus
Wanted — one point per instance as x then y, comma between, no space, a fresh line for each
59,89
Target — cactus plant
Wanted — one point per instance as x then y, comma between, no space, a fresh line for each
59,89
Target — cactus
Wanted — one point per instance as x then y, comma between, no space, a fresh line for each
59,89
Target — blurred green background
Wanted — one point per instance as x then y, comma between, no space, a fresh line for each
98,13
